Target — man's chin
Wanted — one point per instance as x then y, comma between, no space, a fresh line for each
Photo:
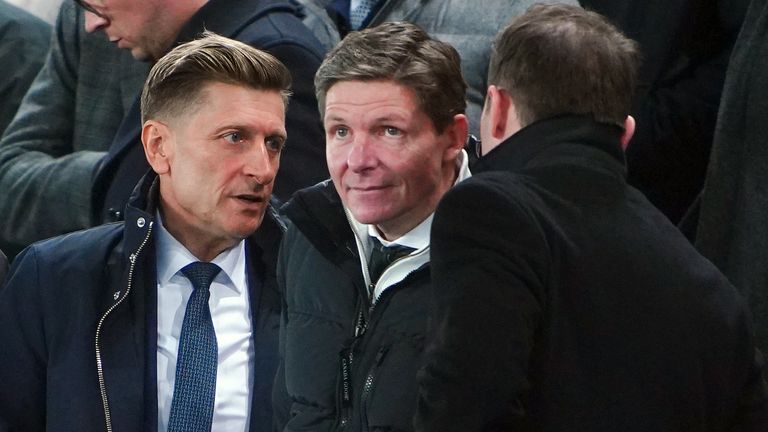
141,55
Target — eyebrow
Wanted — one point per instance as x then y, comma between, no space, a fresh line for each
250,130
382,119
89,8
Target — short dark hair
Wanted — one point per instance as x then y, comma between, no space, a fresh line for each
175,82
405,54
562,59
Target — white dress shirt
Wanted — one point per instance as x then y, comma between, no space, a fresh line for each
231,314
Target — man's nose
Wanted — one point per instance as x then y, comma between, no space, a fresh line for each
362,154
94,22
261,164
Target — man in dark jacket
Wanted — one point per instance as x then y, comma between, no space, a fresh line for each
354,266
563,300
151,28
167,321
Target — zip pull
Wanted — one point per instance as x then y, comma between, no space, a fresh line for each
360,324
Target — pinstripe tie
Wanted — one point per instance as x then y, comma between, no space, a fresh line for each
194,391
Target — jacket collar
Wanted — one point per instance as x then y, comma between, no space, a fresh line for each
230,17
317,212
537,139
143,205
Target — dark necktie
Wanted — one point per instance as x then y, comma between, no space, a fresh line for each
194,391
382,256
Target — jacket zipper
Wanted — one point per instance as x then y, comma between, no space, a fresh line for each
370,380
346,369
99,367
361,326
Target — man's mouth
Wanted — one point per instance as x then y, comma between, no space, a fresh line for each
251,198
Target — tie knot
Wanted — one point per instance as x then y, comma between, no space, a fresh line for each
201,274
382,256
391,252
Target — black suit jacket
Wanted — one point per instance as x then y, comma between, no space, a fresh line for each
564,301
270,25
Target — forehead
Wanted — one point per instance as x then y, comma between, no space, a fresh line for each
219,104
365,96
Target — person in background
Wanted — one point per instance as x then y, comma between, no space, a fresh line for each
354,267
562,299
63,128
730,225
167,321
24,41
46,10
685,47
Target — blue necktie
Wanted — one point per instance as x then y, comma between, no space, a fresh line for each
357,15
194,391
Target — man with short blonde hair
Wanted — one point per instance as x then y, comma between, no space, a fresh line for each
163,322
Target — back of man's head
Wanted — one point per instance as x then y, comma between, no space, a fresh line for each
175,82
405,54
561,59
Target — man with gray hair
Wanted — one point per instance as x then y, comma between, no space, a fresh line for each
563,300
166,321
354,266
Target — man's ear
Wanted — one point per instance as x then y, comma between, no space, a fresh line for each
499,114
499,120
457,132
629,131
156,139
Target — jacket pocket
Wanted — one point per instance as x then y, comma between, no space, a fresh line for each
388,399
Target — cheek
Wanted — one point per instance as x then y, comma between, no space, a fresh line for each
336,163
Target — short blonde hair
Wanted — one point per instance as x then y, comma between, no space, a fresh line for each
175,82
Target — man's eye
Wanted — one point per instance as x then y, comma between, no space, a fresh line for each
275,144
342,132
234,137
392,131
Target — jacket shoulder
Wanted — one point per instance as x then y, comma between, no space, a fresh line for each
80,249
281,26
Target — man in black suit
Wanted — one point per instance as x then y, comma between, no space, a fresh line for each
562,299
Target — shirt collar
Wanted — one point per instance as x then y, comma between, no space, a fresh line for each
172,256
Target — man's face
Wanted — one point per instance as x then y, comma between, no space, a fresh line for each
145,27
386,159
217,165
